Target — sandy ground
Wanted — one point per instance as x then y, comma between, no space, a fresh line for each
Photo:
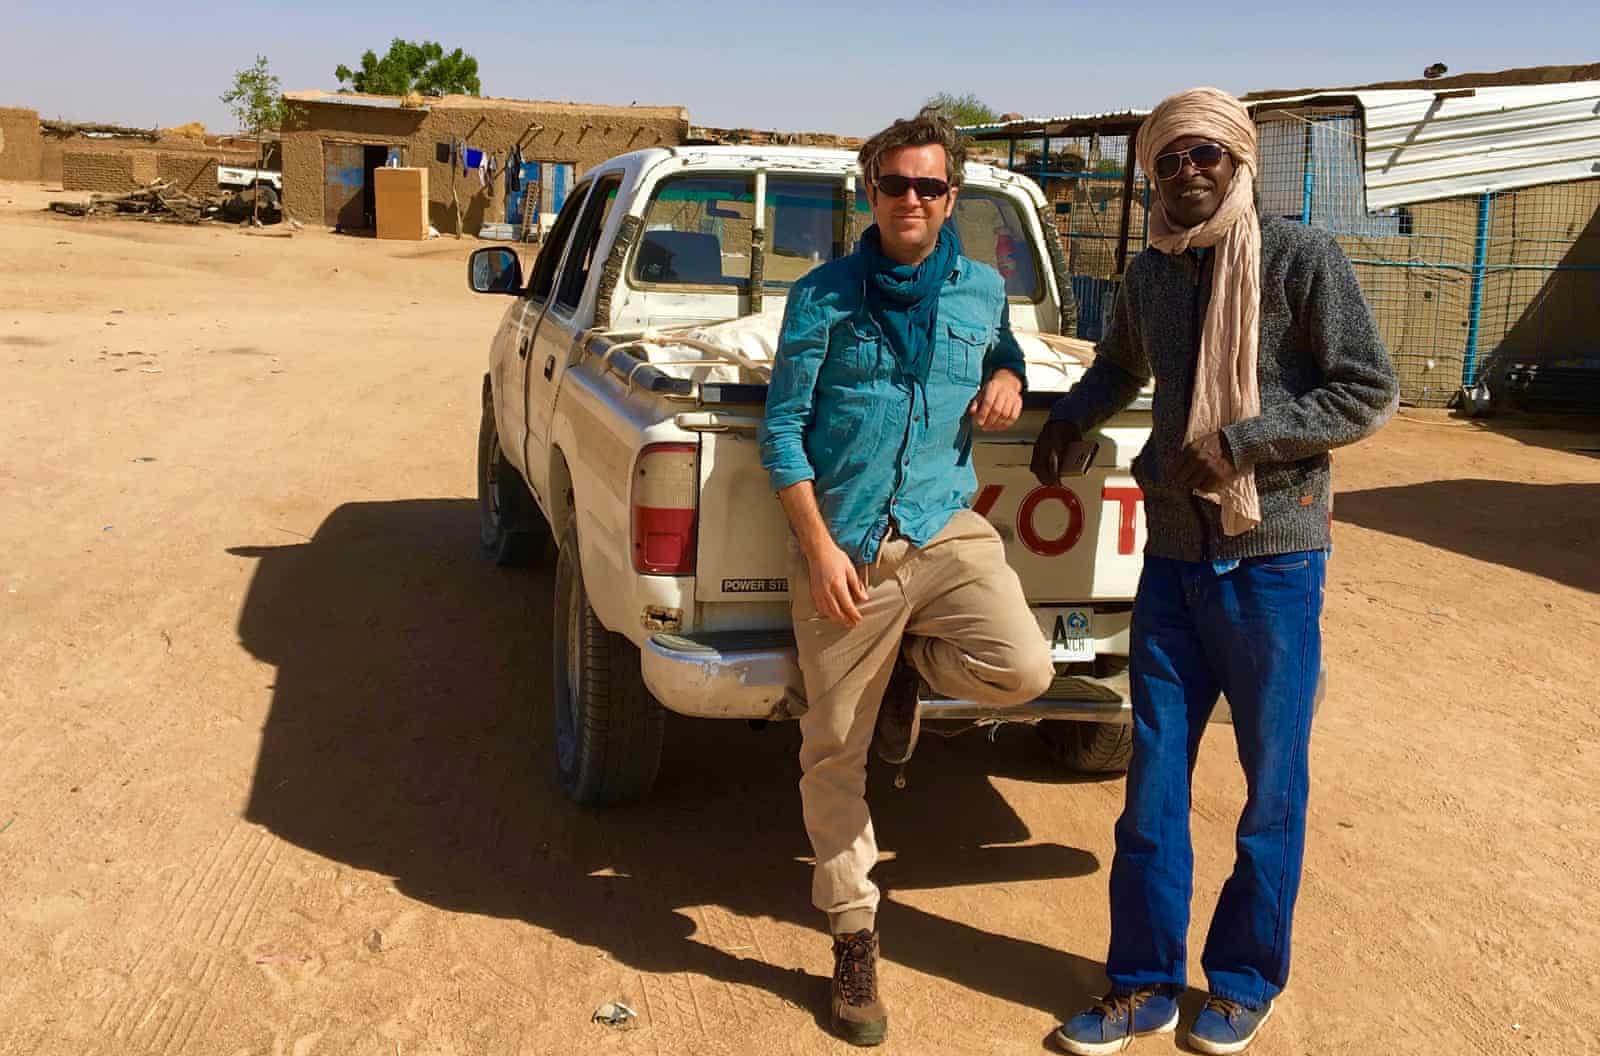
276,744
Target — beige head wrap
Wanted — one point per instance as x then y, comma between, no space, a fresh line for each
1226,389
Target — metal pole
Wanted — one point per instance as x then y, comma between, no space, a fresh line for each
1480,265
849,225
1011,154
1310,182
758,245
1127,202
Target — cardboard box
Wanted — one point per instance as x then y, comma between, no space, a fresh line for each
402,203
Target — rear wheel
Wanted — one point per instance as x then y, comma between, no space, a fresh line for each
267,195
608,727
511,530
1089,747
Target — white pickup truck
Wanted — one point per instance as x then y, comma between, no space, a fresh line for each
625,387
243,177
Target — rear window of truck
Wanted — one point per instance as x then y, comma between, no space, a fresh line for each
697,232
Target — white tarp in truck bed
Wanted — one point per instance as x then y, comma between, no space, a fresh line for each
749,345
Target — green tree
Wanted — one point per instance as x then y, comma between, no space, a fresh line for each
256,100
965,109
411,67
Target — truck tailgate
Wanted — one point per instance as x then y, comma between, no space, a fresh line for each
1079,541
742,534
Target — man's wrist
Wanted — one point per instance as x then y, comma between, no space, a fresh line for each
1244,441
815,542
1227,449
1066,425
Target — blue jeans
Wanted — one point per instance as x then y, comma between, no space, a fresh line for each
1254,634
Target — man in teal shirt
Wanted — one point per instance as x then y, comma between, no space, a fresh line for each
888,359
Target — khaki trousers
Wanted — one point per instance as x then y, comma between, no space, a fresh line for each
967,629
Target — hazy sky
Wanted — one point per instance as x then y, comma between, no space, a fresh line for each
817,65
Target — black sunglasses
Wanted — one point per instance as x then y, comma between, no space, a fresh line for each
928,188
1204,156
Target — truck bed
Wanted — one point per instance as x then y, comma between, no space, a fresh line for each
1075,543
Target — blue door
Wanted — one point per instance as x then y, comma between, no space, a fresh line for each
558,177
555,180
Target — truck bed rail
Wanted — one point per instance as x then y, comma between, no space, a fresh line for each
618,352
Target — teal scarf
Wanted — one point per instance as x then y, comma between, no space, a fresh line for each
904,298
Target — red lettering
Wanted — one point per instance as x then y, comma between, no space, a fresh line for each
1127,500
1029,534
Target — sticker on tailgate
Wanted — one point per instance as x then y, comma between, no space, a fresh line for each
755,586
1069,632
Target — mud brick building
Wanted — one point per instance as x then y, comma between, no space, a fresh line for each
21,145
332,142
112,159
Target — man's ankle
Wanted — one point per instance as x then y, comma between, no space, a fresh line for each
851,921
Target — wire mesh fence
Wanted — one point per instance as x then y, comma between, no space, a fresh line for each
1486,287
1461,287
1085,179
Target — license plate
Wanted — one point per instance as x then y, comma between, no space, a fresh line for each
1070,633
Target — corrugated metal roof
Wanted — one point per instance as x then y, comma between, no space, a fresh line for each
1422,145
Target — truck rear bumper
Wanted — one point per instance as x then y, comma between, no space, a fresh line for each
756,675
725,675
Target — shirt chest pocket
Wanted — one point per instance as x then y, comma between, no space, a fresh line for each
965,347
854,352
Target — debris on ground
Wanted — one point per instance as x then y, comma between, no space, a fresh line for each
616,1014
161,201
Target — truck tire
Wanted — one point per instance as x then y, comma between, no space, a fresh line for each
1089,747
511,530
608,726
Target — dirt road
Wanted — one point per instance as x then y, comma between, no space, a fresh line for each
276,745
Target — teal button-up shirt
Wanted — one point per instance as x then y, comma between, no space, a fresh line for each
880,438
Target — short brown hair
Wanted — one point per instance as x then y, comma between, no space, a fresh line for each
928,128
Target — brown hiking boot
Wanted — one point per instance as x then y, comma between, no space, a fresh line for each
858,1016
900,714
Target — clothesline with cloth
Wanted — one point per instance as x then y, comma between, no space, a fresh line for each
473,159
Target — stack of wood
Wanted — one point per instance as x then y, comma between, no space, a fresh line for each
158,201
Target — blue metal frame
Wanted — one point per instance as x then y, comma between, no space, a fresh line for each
1480,266
1311,179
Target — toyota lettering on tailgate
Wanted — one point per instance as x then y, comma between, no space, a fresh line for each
1126,498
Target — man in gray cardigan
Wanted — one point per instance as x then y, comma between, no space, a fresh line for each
1265,357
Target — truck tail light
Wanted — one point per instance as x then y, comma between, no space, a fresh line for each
665,483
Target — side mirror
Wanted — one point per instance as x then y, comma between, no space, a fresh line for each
494,270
